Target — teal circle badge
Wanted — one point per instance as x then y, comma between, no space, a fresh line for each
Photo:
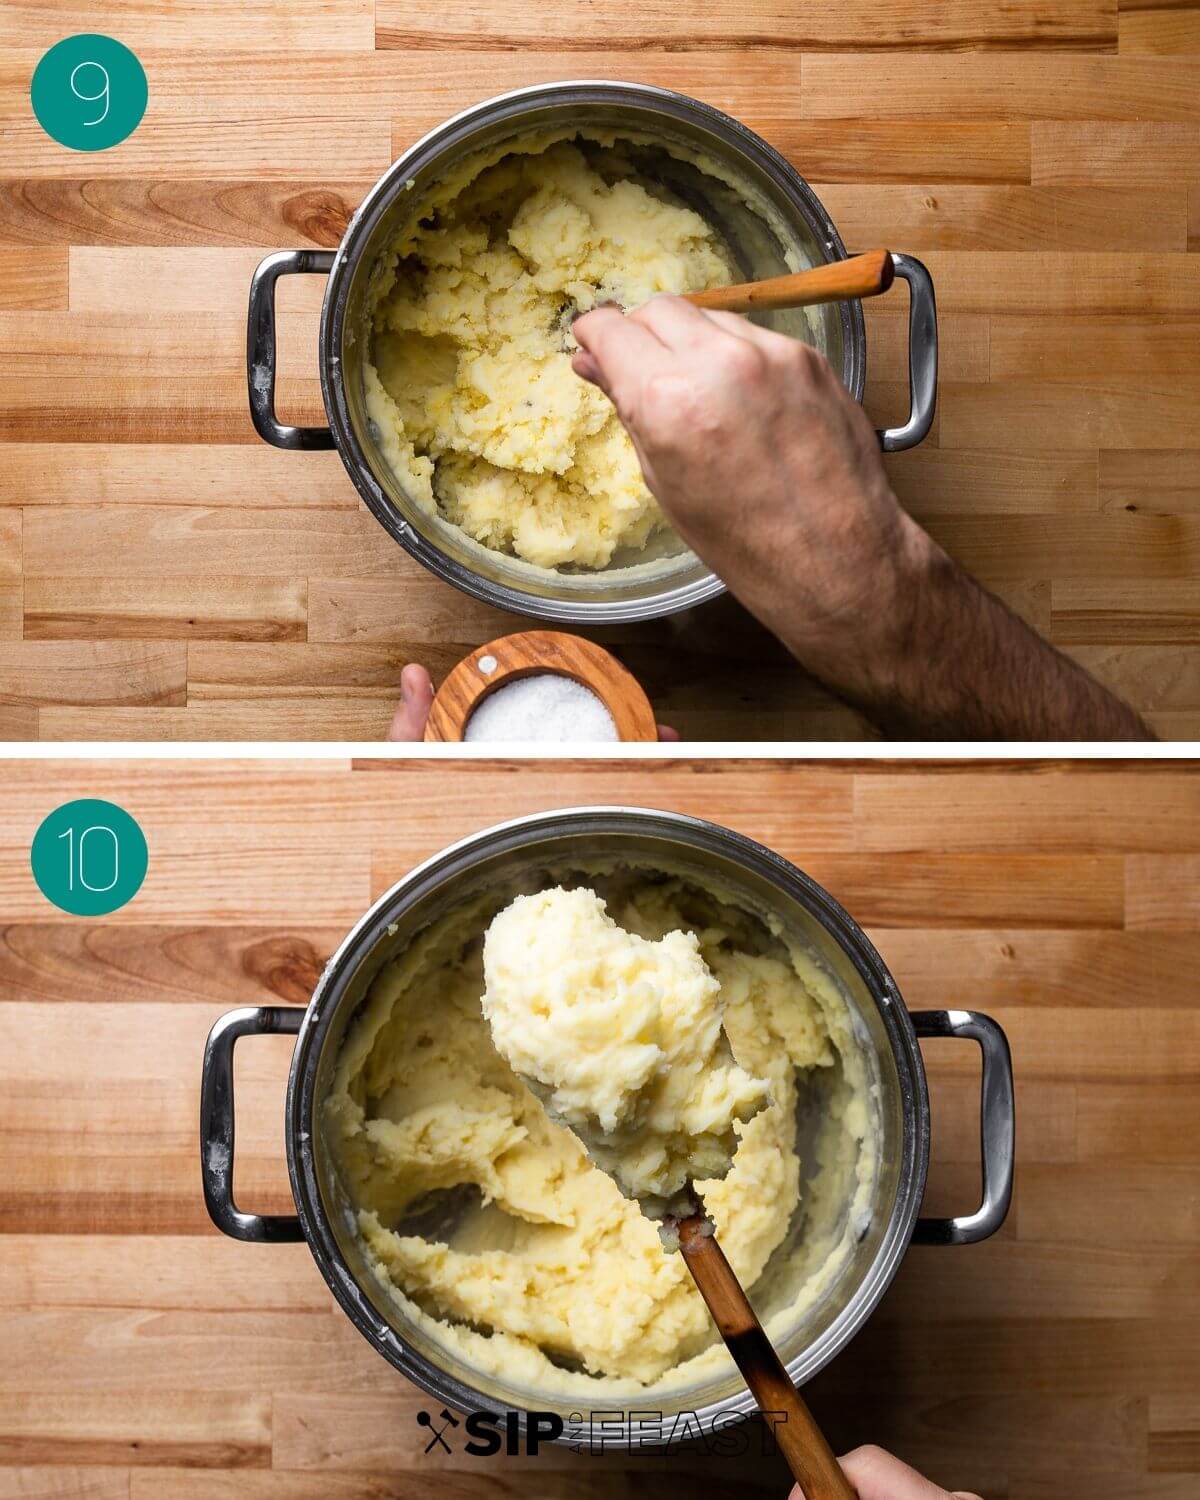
89,857
89,92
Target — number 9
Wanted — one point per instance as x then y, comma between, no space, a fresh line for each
91,98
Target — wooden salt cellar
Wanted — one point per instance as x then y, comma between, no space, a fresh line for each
513,656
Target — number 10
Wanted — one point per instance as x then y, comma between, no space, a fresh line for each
69,835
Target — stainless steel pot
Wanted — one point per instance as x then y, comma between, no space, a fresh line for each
793,221
711,856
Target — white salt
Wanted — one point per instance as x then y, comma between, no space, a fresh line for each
546,706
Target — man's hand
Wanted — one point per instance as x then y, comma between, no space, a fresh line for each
766,466
416,699
771,472
876,1475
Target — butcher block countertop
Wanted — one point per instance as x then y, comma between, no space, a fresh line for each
164,574
146,1357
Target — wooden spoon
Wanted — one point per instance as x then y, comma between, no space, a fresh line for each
802,1442
840,281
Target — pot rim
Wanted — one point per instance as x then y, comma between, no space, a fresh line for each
563,611
522,832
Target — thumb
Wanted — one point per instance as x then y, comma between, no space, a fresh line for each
586,367
416,699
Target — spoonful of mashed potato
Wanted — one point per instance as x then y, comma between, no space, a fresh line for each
622,1040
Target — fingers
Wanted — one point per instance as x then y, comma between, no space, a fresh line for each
878,1475
615,348
767,339
585,366
618,349
734,323
667,735
675,322
416,699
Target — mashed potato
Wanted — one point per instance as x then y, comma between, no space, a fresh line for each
621,1039
469,382
490,1227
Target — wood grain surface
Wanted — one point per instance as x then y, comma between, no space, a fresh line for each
145,1356
165,575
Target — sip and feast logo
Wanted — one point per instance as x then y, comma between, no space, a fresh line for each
481,1434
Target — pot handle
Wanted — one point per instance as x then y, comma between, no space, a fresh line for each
260,348
997,1126
922,357
216,1123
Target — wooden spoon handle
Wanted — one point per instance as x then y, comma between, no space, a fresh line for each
840,281
802,1442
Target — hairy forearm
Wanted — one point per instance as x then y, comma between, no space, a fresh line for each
945,659
771,472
